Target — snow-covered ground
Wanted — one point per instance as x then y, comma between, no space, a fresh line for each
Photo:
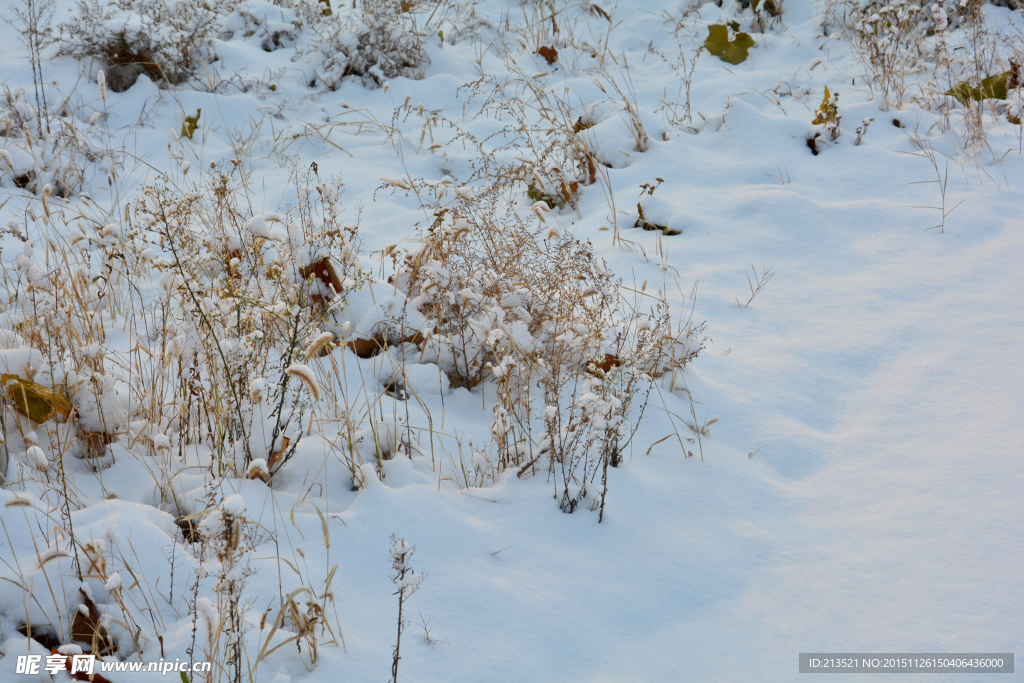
860,490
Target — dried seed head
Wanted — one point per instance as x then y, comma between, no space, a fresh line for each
305,375
20,499
319,345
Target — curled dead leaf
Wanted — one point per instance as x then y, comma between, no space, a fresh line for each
86,627
323,270
34,401
367,348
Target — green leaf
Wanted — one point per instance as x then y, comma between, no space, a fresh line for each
731,51
538,195
993,87
184,678
188,128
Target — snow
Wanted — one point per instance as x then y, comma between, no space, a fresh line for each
37,457
423,379
113,583
234,505
860,491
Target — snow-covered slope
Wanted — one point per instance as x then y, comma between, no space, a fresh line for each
837,470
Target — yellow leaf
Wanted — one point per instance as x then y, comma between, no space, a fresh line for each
188,128
36,402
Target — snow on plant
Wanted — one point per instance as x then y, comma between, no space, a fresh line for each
983,69
306,376
676,61
458,22
622,350
458,278
827,116
887,36
378,41
407,582
64,313
278,26
56,154
79,594
131,37
250,298
522,307
554,157
228,538
239,303
917,51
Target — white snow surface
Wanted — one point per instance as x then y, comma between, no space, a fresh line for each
862,490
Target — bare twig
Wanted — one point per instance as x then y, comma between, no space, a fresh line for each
758,283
